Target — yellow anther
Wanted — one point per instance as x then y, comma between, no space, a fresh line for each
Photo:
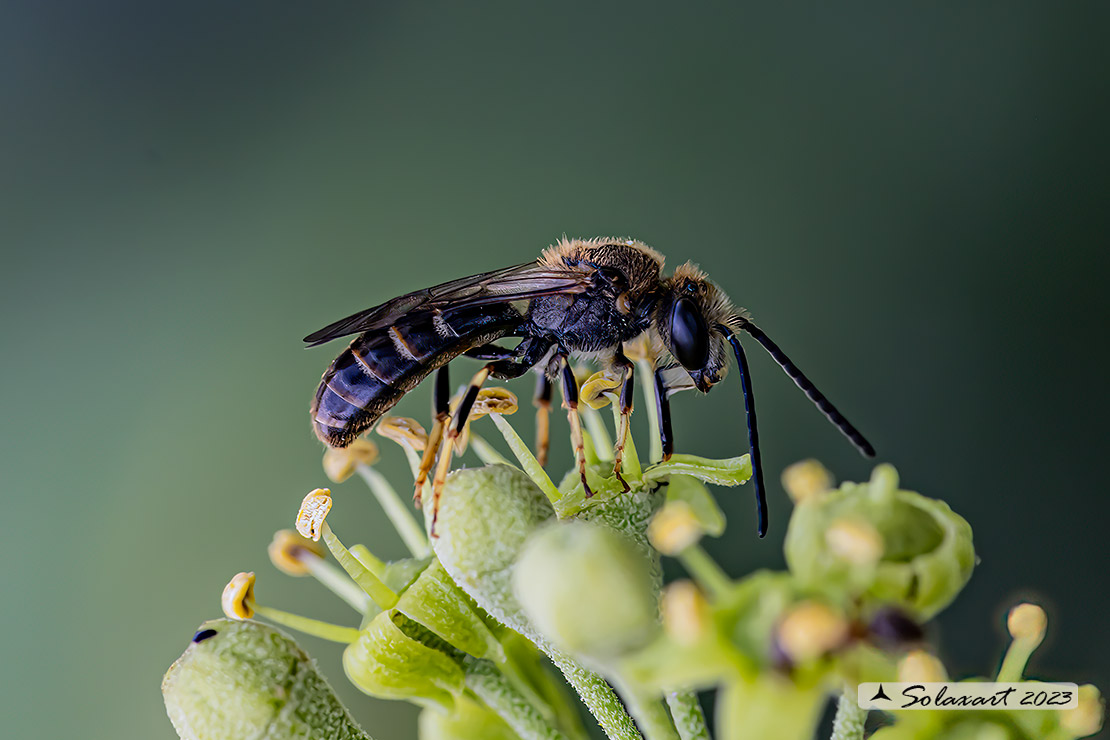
854,540
674,528
686,616
1086,719
289,550
1027,622
811,629
920,666
404,431
596,389
341,463
806,479
493,401
238,597
641,349
314,510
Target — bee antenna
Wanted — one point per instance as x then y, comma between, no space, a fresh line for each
823,404
753,431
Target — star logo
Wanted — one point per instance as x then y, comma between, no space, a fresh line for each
880,694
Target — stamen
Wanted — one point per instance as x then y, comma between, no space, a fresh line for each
400,516
238,603
341,463
806,479
527,460
920,666
404,431
314,510
1086,719
674,528
1027,624
686,616
290,552
598,390
810,630
855,541
237,599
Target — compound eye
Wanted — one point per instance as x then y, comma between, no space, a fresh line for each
689,335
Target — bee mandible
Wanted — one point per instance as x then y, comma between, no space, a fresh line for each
581,297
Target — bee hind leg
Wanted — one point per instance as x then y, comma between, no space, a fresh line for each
454,428
542,402
441,402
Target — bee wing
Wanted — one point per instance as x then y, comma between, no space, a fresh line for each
519,282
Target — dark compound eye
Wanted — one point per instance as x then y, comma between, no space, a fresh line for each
689,335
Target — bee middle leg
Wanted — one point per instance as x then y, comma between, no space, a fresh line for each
542,402
570,403
663,408
454,428
625,367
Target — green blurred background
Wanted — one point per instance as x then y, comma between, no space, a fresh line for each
911,199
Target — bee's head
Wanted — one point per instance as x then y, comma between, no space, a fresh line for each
688,317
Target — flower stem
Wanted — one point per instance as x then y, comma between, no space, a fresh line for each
338,582
314,627
598,697
603,444
649,712
483,678
399,514
706,571
485,451
382,595
688,717
647,385
850,718
528,462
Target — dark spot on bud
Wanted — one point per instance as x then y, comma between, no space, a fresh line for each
203,635
891,627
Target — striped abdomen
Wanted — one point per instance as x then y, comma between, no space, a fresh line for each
382,365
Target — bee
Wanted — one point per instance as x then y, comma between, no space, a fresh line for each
581,298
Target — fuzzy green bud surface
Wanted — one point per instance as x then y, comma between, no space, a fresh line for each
244,679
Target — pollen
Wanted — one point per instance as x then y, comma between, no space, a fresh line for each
597,388
920,666
686,616
854,540
806,479
494,401
238,597
1086,719
1027,622
288,552
811,629
404,431
314,510
674,528
341,463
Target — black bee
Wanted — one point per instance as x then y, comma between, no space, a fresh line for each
584,297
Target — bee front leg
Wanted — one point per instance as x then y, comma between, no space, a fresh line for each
627,370
570,403
441,406
453,429
663,408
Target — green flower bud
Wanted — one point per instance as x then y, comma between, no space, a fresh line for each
588,590
881,543
485,517
467,721
395,658
241,679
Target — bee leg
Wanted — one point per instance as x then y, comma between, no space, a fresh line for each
454,428
542,403
441,405
570,403
663,405
626,369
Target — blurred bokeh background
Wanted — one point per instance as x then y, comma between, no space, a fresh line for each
911,199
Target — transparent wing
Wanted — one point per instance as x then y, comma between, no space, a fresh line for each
519,282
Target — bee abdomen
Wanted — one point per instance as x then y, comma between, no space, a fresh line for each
379,367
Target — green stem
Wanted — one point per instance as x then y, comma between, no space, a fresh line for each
647,383
649,712
314,627
1017,656
603,444
338,582
399,514
598,697
483,678
689,720
850,718
382,594
528,462
485,452
705,571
